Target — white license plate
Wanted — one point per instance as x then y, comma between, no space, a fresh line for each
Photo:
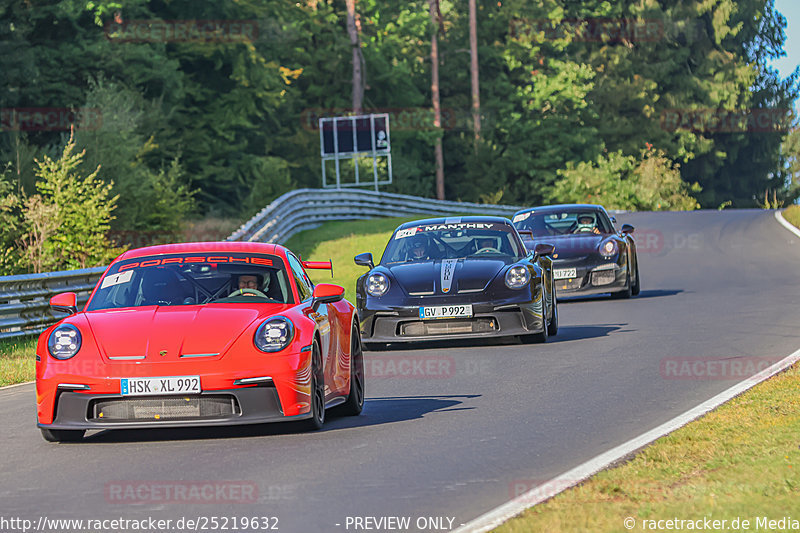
446,311
564,273
165,385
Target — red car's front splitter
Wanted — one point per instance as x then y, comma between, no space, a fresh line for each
250,405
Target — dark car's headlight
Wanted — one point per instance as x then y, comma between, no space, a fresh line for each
274,334
609,249
377,284
517,277
64,341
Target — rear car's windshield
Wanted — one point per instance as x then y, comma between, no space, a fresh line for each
564,222
429,242
193,279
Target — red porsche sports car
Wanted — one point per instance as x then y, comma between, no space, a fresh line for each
200,334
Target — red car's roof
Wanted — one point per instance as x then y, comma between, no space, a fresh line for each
204,247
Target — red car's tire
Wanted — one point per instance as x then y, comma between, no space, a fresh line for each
355,399
317,419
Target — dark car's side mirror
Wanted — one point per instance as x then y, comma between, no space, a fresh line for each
543,249
66,302
627,229
326,293
364,259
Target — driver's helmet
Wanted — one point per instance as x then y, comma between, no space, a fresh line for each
485,242
418,247
586,222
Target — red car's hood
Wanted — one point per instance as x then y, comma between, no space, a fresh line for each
180,330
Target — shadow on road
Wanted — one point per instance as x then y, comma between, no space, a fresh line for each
655,293
574,333
376,411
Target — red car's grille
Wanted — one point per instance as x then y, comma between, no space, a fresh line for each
164,408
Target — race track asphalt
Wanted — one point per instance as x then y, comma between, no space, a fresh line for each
454,429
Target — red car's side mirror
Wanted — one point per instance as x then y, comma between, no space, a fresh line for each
66,302
326,293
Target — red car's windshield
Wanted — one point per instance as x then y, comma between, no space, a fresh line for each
193,279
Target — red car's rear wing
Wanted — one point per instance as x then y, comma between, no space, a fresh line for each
319,265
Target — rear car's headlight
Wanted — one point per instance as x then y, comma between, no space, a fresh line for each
274,334
517,277
64,341
609,248
377,284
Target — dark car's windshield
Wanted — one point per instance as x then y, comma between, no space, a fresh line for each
564,222
429,242
192,279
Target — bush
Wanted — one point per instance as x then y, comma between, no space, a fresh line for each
64,226
651,183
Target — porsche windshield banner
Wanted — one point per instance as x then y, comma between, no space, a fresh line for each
408,232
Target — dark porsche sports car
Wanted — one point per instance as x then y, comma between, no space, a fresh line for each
456,277
590,256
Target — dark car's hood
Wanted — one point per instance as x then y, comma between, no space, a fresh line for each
178,330
428,277
574,245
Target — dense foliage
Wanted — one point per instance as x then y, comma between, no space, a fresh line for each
637,99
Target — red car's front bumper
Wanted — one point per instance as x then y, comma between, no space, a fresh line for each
86,394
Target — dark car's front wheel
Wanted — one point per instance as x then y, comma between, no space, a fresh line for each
62,435
537,338
637,285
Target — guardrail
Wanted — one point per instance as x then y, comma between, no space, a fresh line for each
308,208
24,300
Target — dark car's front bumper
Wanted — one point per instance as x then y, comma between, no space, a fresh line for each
593,275
516,315
247,405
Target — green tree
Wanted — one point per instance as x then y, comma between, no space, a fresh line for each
67,221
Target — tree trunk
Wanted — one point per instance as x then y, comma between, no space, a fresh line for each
437,111
355,43
473,52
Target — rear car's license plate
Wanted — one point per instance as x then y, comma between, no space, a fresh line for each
446,311
564,273
164,385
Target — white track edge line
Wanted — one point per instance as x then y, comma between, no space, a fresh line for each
547,490
16,385
786,224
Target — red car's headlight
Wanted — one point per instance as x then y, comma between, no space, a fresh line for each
274,334
64,342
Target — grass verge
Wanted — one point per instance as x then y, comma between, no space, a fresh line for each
17,361
792,215
742,461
